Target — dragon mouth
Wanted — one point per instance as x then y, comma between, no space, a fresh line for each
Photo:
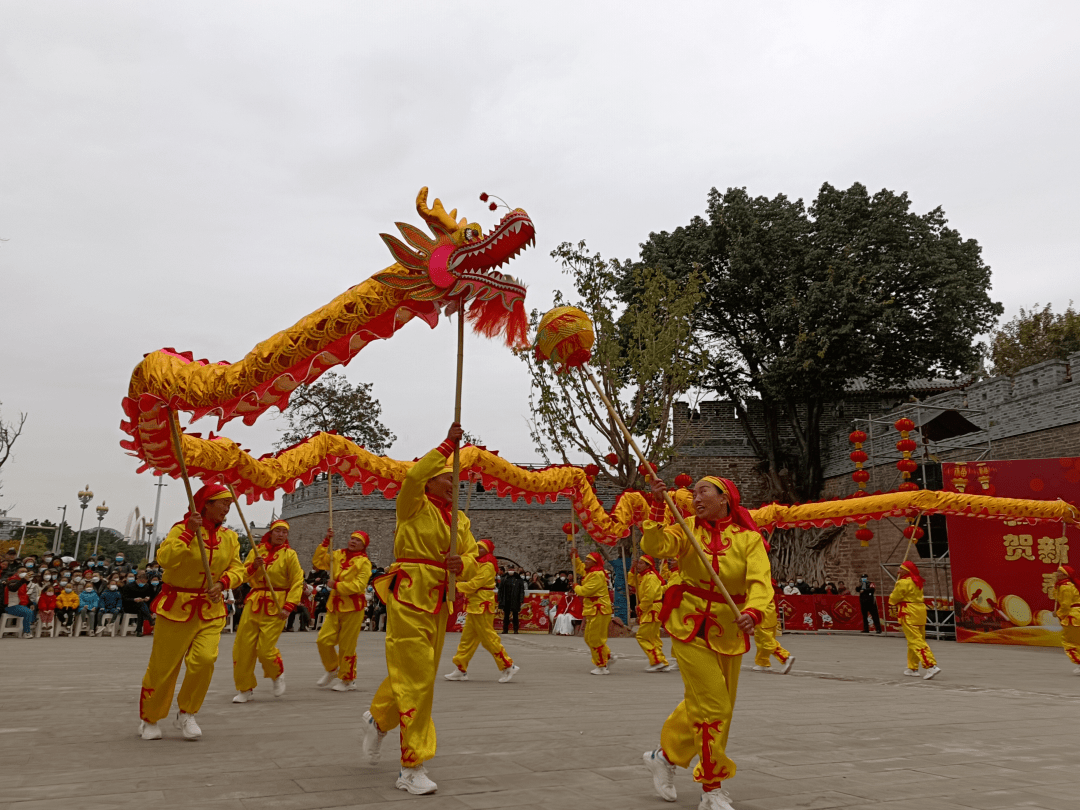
477,260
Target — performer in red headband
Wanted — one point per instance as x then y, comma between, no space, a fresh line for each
908,594
650,591
272,568
480,622
350,570
1067,595
190,613
707,637
596,609
765,640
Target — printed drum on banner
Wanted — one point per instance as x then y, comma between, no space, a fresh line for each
1003,570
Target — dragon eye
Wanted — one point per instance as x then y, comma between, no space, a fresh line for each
470,234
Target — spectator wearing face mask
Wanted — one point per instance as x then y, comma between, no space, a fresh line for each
867,603
98,581
790,589
111,601
17,600
89,606
46,608
120,567
803,585
67,602
561,584
137,596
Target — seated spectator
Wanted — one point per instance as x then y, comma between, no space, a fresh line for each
67,602
561,583
536,582
46,608
89,606
804,587
842,589
17,601
791,589
111,602
830,589
136,597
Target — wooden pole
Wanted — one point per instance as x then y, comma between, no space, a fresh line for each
667,495
451,580
625,581
912,540
573,541
330,516
178,447
251,539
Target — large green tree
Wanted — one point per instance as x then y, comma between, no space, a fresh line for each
1034,336
332,405
799,301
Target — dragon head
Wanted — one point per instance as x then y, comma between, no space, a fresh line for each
459,265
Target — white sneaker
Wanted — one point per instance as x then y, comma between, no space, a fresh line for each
457,675
416,781
187,725
656,668
327,678
612,658
149,731
244,697
914,673
760,668
714,800
1076,671
344,686
372,738
663,774
600,671
672,667
27,635
930,673
279,685
508,674
786,668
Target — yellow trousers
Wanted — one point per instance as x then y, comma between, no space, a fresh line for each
337,642
193,643
648,638
1070,642
596,630
767,645
480,629
699,726
414,642
256,639
918,651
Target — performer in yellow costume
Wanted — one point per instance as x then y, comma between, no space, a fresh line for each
1067,595
415,591
350,571
707,639
272,568
908,594
596,609
765,640
480,622
650,591
190,613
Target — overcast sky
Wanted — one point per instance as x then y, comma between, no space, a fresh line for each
201,175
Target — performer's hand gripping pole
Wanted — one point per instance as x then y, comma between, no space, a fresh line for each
251,539
667,495
451,580
178,447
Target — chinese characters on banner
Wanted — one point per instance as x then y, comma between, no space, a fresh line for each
1003,570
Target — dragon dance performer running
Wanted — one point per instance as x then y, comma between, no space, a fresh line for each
1067,595
908,594
190,612
650,592
415,591
596,610
350,570
261,623
765,640
480,622
707,639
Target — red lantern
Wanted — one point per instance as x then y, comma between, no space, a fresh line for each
907,465
857,437
858,456
864,535
904,425
861,476
591,470
683,480
611,459
913,533
908,486
570,528
907,446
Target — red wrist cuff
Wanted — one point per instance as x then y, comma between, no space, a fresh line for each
446,448
657,512
755,614
224,583
288,607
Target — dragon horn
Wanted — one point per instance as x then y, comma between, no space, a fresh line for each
436,217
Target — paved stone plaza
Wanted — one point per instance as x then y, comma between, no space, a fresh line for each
999,728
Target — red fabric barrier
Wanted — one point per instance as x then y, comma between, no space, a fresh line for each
823,612
533,617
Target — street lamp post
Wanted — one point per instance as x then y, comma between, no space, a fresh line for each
84,500
101,512
149,537
157,509
58,538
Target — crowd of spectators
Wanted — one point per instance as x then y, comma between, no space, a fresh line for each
797,585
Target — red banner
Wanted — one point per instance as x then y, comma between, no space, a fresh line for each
821,612
533,617
1002,569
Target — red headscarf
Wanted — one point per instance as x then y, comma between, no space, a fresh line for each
649,561
488,556
359,535
912,571
594,562
266,537
739,515
210,492
1070,572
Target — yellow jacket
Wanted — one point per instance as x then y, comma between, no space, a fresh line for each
183,589
67,600
350,574
1068,599
480,590
418,576
650,592
738,557
594,589
910,598
285,575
